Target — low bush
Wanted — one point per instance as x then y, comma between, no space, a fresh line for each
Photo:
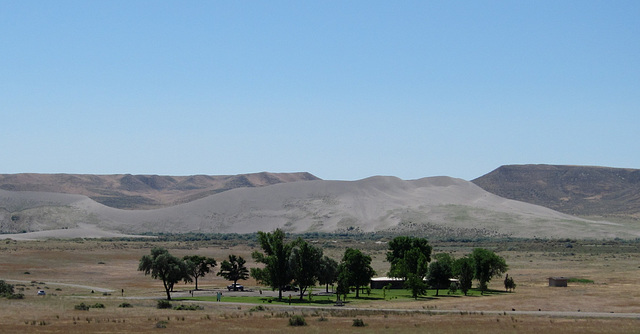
358,323
188,308
97,305
257,308
580,280
82,307
297,320
125,305
6,289
163,304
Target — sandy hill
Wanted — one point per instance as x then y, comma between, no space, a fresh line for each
576,190
126,191
435,206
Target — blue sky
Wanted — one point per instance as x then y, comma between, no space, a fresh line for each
341,89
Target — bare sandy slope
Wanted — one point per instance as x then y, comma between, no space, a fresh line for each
438,205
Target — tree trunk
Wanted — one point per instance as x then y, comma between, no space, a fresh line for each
167,290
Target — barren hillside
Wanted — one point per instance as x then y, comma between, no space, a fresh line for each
126,191
576,190
436,207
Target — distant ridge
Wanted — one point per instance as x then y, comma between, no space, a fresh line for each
436,207
126,191
575,190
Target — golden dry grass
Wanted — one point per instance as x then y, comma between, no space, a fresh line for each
112,265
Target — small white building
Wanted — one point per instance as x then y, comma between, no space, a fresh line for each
381,282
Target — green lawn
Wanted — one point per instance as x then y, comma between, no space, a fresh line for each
327,300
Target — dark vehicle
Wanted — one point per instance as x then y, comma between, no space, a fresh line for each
290,288
235,287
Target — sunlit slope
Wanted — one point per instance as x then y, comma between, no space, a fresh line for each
438,206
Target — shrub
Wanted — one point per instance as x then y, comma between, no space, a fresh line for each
257,308
164,304
297,320
161,324
6,289
97,305
358,323
16,296
125,305
188,308
580,280
82,307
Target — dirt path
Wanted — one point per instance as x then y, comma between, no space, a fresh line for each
180,294
79,286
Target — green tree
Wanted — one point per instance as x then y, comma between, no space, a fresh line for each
355,269
275,258
164,266
408,255
416,285
440,272
304,265
509,283
486,266
234,269
328,272
198,266
463,269
409,258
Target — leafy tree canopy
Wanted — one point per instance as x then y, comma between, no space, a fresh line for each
408,255
198,266
275,258
486,266
164,266
304,264
355,269
234,269
463,269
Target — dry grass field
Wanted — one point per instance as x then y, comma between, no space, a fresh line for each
96,271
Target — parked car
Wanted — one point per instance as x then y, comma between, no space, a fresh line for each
41,293
290,288
235,287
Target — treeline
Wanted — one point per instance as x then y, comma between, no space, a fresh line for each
296,263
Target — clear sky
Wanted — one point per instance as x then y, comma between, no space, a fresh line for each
341,89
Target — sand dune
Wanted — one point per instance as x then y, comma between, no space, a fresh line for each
440,206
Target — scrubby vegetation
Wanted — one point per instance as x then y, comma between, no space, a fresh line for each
297,320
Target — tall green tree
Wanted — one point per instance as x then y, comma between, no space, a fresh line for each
408,255
440,272
328,272
164,266
486,266
234,269
463,269
355,269
198,266
275,258
409,258
304,264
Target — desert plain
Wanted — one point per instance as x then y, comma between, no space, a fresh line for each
604,296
